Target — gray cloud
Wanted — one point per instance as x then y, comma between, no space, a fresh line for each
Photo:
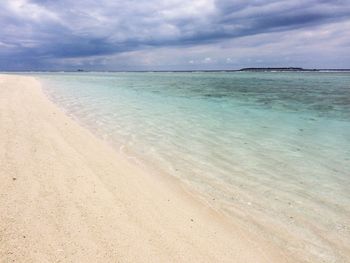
65,34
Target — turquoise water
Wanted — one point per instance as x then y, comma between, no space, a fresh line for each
271,149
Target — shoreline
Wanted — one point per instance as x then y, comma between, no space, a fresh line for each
69,196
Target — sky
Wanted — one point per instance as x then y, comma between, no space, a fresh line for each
173,34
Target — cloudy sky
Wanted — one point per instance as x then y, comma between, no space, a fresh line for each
173,34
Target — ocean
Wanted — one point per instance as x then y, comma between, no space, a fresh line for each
271,149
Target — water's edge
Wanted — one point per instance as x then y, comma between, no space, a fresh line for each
307,214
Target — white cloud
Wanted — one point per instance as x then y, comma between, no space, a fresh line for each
29,11
207,60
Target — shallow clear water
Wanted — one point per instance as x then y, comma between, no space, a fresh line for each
272,149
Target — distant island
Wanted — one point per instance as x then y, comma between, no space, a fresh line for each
288,69
277,69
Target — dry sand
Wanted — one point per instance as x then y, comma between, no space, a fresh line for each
66,196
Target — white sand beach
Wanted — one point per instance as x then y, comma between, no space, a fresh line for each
66,196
